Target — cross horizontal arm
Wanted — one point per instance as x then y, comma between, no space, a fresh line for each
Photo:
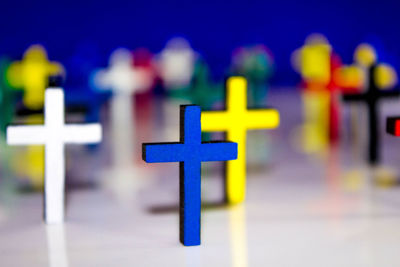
164,152
26,135
218,151
354,97
262,119
214,121
82,134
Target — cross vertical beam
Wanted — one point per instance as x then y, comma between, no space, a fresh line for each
54,172
189,152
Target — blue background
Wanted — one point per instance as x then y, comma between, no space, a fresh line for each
213,28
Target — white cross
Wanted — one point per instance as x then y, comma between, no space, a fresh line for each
176,63
124,80
53,135
121,76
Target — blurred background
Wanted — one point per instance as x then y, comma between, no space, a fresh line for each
214,29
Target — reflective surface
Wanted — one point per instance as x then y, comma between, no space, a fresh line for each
321,210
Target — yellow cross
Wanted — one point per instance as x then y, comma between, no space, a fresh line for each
31,74
235,121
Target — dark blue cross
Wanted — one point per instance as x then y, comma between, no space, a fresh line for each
189,152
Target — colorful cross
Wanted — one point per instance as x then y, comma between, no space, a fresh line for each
235,121
190,152
54,134
371,98
31,74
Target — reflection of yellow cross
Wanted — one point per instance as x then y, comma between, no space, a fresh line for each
315,134
235,121
313,62
31,74
31,158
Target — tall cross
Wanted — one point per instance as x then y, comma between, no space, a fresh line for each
124,81
189,152
54,134
31,74
371,98
235,121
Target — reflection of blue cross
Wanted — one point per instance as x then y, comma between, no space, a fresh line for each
190,152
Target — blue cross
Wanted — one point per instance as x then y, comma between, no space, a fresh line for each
189,152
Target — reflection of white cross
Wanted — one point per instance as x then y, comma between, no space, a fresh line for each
53,135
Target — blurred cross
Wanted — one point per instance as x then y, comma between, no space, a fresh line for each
176,65
371,98
124,80
189,152
31,74
54,134
235,121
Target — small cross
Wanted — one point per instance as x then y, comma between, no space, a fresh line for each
235,121
189,152
53,135
31,74
371,98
